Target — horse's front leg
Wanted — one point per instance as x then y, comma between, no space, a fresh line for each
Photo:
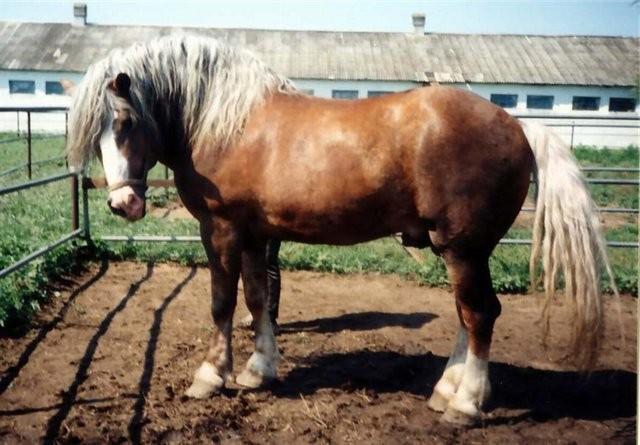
263,363
222,244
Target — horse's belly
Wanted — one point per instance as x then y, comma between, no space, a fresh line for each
357,222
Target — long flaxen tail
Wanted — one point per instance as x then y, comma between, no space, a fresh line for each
567,237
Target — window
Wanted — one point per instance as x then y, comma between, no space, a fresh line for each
307,92
377,93
53,87
622,104
22,87
586,103
540,102
344,94
505,100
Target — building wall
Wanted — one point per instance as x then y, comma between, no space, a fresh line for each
324,88
615,135
610,132
563,94
49,122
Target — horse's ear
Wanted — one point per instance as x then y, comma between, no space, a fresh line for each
120,85
68,86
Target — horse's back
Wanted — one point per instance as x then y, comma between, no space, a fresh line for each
347,171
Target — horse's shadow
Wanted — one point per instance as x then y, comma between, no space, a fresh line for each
360,321
544,394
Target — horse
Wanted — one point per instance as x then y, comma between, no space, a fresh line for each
255,159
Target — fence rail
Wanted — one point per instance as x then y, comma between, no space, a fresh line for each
99,183
76,231
29,137
579,120
86,184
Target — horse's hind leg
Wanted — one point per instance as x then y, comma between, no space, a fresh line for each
465,382
448,384
263,363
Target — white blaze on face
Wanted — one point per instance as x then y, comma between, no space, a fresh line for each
116,169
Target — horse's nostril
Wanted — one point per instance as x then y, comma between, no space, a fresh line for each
118,211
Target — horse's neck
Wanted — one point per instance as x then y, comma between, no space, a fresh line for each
172,134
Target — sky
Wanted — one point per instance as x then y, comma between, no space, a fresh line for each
559,17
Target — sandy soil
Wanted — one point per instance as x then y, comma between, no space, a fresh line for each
111,357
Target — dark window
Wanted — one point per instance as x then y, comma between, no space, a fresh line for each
53,88
22,87
344,94
586,103
540,102
505,100
377,93
622,104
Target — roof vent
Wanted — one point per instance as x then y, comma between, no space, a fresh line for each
79,14
418,22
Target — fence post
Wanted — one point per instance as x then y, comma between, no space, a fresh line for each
29,144
85,212
572,130
18,123
166,176
75,222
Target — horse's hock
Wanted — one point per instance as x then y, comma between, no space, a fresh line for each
110,359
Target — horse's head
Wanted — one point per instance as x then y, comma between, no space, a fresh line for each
126,152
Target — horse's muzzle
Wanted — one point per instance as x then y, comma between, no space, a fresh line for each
127,203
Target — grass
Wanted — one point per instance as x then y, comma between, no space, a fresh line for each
35,217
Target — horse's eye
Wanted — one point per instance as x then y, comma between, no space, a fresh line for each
126,124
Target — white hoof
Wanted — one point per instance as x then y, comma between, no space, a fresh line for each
438,402
259,371
250,379
206,382
452,415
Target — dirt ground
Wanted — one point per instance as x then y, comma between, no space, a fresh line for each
109,360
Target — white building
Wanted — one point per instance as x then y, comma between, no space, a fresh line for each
589,79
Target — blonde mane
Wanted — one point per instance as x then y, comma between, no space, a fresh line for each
213,85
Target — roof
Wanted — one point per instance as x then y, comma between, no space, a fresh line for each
446,58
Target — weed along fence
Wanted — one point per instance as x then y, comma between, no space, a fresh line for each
76,230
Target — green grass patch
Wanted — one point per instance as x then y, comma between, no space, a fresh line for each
33,218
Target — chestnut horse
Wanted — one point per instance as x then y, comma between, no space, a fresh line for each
254,159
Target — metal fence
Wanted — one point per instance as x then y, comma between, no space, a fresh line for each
76,230
86,184
571,122
99,183
28,135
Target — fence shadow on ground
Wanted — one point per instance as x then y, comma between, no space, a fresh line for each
11,373
544,394
136,422
70,394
